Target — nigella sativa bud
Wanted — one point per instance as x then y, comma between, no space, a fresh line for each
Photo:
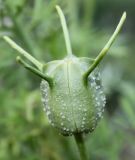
71,88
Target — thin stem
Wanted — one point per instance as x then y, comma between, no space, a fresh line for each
65,30
35,71
23,52
107,46
81,146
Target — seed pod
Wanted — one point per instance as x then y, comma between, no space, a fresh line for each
71,105
72,94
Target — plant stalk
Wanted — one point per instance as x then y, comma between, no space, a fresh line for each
81,146
65,30
106,48
23,52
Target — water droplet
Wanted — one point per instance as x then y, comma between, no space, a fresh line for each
83,122
48,113
84,118
85,109
99,114
63,117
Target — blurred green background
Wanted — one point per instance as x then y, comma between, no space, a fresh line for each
25,133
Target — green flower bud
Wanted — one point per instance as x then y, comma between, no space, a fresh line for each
71,105
72,94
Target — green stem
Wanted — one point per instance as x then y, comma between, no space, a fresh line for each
106,48
81,146
23,52
35,71
65,30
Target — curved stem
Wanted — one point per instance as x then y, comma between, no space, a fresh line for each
107,46
65,30
35,71
23,52
81,146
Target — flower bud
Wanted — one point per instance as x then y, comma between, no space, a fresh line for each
71,90
71,105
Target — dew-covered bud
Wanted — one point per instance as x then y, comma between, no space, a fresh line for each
71,89
71,105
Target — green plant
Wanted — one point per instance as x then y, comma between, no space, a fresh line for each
71,90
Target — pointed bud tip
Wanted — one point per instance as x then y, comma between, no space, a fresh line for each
5,38
124,15
18,58
57,7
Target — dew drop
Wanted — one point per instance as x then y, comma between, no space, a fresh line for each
63,117
100,113
83,122
64,128
48,113
85,109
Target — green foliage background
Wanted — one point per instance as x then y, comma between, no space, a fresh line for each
25,133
